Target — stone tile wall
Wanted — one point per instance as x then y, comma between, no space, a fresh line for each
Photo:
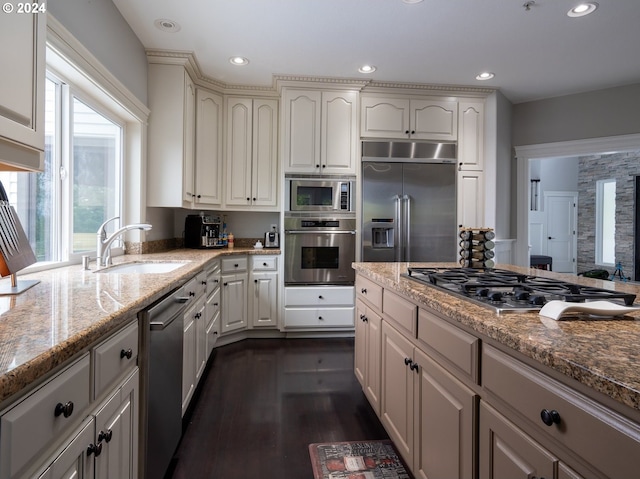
622,167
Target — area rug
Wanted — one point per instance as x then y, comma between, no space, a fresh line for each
357,460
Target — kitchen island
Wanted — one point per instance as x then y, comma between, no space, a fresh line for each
568,390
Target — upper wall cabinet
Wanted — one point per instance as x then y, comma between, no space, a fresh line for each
419,119
320,131
471,135
207,176
22,86
252,153
170,172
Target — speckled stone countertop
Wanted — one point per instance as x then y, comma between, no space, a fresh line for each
71,309
602,354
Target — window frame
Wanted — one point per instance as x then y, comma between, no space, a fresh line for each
602,221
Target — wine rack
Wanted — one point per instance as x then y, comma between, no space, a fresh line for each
476,247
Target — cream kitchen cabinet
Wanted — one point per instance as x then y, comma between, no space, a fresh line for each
252,153
22,87
415,118
170,171
207,174
263,284
471,175
194,338
367,352
212,307
320,131
319,308
83,419
234,279
470,199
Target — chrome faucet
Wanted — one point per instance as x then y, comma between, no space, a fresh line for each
103,247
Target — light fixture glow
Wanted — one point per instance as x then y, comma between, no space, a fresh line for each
412,1
583,9
367,69
167,25
485,76
239,61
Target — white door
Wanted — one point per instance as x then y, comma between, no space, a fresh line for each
562,220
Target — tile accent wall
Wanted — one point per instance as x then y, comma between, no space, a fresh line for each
622,167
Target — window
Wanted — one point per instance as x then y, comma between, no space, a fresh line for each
62,208
606,222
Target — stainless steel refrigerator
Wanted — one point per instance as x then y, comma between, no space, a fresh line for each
409,201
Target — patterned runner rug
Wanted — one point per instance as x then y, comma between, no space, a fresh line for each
357,460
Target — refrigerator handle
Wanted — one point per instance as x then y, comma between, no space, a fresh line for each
397,246
407,227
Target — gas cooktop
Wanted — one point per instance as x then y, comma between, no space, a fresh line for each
507,291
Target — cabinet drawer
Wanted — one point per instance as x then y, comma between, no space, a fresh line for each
113,357
212,306
213,277
33,424
264,263
318,318
369,291
610,442
234,264
319,296
458,347
400,311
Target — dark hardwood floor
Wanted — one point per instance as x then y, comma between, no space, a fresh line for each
262,403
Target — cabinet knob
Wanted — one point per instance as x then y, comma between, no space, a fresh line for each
105,436
414,367
192,293
204,283
95,449
363,290
320,297
550,417
317,166
225,284
255,281
65,409
406,132
408,361
413,132
199,196
236,265
248,199
320,318
324,166
126,353
265,264
254,199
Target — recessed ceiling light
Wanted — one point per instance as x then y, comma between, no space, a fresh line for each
239,61
167,25
485,76
412,1
367,69
583,9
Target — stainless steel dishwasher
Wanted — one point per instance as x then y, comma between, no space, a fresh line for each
161,387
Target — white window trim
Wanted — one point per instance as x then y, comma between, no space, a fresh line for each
600,184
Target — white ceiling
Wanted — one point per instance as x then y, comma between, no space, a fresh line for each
534,54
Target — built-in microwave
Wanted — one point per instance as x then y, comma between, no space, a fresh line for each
322,194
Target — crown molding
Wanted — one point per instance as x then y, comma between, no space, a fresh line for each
281,81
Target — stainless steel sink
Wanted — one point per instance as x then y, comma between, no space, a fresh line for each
143,267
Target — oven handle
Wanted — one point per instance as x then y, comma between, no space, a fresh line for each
315,232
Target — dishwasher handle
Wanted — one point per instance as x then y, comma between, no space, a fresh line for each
162,314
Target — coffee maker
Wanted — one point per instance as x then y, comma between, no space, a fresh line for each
201,231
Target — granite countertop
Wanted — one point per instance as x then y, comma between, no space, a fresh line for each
71,309
602,354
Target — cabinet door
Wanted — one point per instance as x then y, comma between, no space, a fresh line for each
397,393
360,344
208,177
238,158
339,141
234,302
264,300
189,141
506,452
384,117
188,358
74,462
372,371
301,136
445,414
470,199
471,136
434,120
22,86
264,166
117,432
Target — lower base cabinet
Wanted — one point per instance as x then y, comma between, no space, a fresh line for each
106,444
428,413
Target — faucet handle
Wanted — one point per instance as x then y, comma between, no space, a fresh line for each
102,229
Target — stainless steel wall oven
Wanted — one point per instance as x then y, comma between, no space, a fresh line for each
319,250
